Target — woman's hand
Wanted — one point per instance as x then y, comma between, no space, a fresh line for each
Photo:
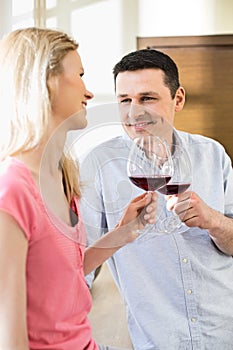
140,211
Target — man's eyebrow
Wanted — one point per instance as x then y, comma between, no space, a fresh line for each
144,93
148,93
122,95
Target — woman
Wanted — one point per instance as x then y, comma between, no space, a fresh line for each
44,300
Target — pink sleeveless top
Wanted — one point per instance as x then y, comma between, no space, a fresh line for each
58,299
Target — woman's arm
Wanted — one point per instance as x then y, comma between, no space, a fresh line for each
140,211
13,255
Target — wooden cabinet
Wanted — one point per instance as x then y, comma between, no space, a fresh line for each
206,72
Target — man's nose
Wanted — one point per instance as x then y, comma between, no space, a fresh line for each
135,111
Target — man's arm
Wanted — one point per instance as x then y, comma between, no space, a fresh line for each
92,205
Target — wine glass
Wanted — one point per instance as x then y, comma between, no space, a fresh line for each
180,182
149,165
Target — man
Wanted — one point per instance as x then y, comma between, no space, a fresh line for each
177,288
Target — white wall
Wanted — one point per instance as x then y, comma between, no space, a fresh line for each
185,17
5,17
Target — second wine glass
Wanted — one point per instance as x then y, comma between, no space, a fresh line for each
180,182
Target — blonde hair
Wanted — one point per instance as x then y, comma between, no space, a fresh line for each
28,58
70,174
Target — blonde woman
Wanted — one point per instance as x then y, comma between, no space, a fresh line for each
44,300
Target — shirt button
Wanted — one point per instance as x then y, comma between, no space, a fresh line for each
185,260
193,319
189,291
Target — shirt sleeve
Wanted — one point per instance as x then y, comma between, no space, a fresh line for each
228,186
91,203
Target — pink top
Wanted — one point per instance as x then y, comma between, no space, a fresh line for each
58,299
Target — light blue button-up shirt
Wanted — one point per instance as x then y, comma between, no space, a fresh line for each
177,288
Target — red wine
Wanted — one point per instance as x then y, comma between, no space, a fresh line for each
174,188
150,183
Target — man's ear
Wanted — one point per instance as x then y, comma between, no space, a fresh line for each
179,99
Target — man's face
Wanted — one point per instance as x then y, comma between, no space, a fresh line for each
145,102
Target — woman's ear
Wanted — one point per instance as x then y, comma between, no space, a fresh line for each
179,99
51,84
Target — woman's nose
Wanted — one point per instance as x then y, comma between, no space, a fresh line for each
89,95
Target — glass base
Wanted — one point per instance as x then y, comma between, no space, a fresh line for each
171,224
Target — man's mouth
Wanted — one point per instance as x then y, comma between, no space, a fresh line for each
140,125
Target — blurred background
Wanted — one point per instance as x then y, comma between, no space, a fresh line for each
198,35
107,29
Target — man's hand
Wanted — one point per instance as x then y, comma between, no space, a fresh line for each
192,210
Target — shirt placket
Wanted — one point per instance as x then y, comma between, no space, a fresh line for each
190,295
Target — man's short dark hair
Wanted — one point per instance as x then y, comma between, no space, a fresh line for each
150,58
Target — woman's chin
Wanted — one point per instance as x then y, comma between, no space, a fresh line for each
78,120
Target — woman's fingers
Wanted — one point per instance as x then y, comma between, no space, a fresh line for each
143,208
150,209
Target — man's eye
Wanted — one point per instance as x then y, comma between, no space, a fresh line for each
126,100
147,98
